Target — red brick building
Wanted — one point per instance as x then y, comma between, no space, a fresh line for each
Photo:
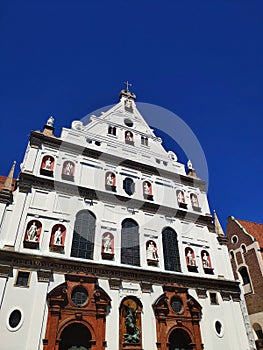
246,254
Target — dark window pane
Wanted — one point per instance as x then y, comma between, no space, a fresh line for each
22,278
79,296
130,250
83,236
170,250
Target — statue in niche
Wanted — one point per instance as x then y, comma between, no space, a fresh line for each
128,136
146,188
191,259
206,262
128,104
151,252
194,200
48,164
58,237
68,168
32,233
132,332
50,121
110,179
180,196
107,244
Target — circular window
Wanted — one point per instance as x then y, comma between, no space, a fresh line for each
79,296
15,319
128,122
219,328
234,239
177,304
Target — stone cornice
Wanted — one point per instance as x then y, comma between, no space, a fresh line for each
56,265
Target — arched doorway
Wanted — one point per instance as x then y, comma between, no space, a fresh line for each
75,337
179,340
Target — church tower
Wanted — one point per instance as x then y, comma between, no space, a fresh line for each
107,242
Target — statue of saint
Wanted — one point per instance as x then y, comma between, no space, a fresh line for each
58,237
146,188
128,136
151,252
48,164
50,121
206,261
68,168
107,244
132,332
191,260
180,197
194,200
32,233
109,179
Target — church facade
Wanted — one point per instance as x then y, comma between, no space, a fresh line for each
107,242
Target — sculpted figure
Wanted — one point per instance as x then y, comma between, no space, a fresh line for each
58,237
48,164
151,252
107,243
32,233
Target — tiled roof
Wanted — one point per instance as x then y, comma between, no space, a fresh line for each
254,229
2,182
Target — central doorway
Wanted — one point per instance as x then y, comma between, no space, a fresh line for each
179,340
75,337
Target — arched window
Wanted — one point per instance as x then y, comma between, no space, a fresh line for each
130,249
258,330
32,235
170,250
190,259
110,181
83,236
181,199
129,139
195,202
245,279
206,262
130,323
68,170
47,165
151,253
147,190
107,246
112,130
57,238
129,186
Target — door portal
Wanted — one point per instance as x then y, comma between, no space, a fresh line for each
75,337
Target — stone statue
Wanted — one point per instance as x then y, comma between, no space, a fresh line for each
206,260
191,260
146,188
32,233
189,165
107,244
180,196
194,200
109,179
50,121
48,164
68,168
129,136
132,332
58,237
151,252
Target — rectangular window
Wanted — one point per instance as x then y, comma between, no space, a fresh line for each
144,141
22,279
213,298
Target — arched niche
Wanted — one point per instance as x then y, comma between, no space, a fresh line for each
190,259
130,323
47,165
32,234
77,305
195,202
110,181
57,238
152,253
129,138
107,246
206,262
177,313
68,170
181,199
147,190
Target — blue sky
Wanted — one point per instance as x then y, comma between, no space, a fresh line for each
202,60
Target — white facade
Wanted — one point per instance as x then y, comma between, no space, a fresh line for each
85,170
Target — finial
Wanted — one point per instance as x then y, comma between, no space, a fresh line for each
218,228
50,121
9,180
189,165
127,85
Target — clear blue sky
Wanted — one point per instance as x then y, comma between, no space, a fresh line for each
203,60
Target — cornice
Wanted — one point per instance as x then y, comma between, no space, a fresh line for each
59,265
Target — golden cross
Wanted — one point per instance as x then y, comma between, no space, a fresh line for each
127,85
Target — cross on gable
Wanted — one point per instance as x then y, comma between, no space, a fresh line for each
127,85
